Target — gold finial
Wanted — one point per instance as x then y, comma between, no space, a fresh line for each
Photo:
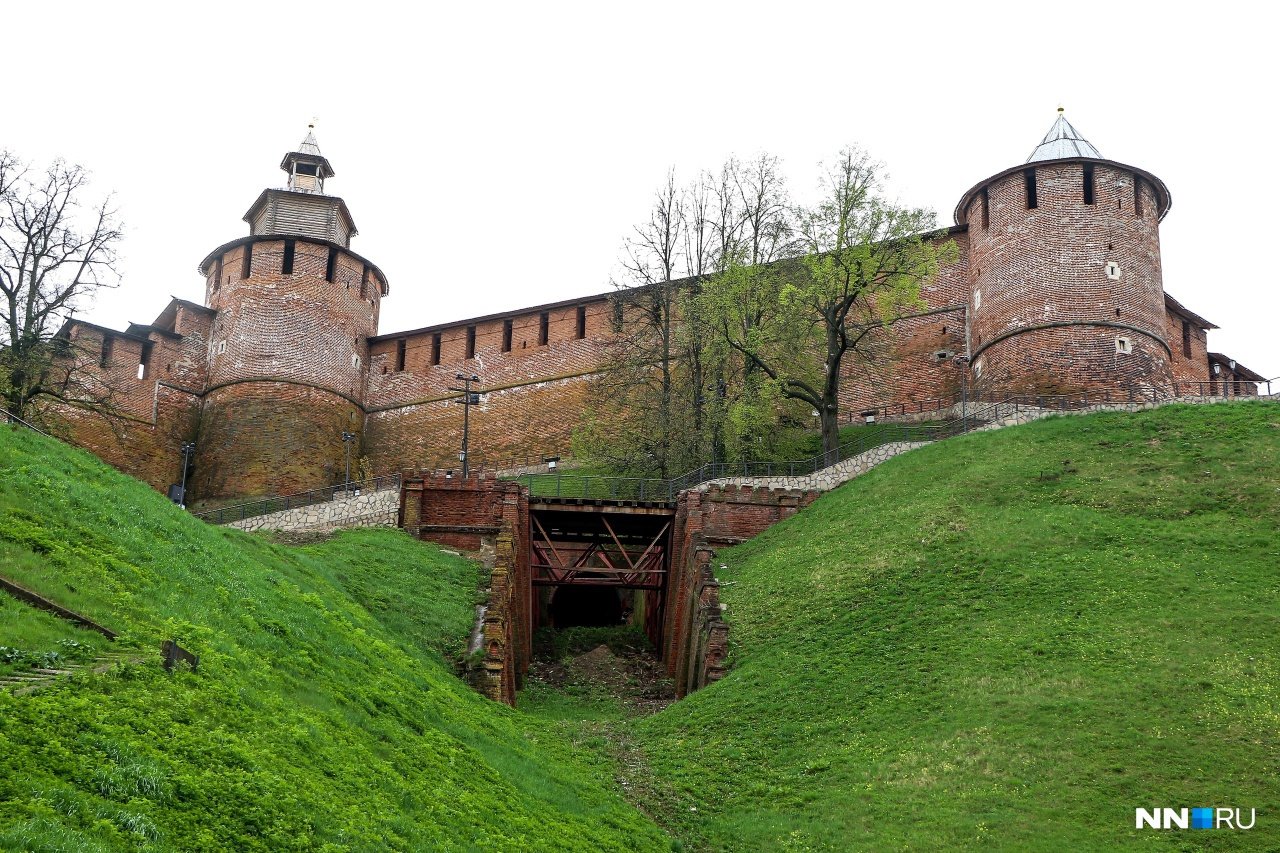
1060,111
315,119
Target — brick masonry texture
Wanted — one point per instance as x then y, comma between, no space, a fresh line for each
470,515
267,377
1033,268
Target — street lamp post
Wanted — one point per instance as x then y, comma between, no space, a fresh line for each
962,361
469,399
348,438
188,448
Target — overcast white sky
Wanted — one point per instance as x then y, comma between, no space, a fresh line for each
494,155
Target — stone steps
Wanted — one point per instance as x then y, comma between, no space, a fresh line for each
29,681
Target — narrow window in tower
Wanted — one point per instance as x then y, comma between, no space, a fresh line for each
544,328
435,349
986,209
364,283
144,361
217,274
581,331
1088,183
287,266
1186,339
400,348
1029,178
616,317
107,343
471,341
1137,195
506,336
331,266
246,266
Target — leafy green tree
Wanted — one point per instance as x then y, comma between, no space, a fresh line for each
795,321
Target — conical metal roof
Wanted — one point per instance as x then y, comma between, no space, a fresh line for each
1062,141
309,145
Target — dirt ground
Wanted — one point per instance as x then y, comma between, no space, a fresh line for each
635,677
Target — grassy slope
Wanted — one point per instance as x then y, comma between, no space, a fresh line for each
324,715
983,643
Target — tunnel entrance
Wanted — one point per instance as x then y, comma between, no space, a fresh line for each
588,606
599,564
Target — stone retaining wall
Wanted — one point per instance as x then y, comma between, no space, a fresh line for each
1010,415
996,416
375,509
827,478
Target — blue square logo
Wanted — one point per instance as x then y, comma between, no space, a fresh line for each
1202,818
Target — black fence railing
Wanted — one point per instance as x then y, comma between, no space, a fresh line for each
665,491
1228,388
11,418
597,488
885,434
982,408
239,512
515,463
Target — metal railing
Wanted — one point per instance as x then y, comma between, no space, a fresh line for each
597,487
515,463
265,506
11,418
652,489
1135,394
980,409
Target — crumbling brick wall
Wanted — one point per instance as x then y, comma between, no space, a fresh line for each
695,635
466,514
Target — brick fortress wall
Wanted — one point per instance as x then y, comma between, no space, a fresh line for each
1044,314
904,364
1190,344
534,373
287,365
287,356
469,514
149,380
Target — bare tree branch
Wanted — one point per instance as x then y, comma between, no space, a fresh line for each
55,254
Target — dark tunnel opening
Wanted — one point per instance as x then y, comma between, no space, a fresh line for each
589,606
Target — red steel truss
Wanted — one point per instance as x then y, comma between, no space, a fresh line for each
598,560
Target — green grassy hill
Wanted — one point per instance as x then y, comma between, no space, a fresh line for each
324,716
1011,639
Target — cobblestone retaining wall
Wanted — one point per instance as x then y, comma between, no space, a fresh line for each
827,478
1007,414
996,417
377,509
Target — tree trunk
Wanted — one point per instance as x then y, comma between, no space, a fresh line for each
830,417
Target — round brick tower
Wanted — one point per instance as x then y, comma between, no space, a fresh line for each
288,346
1064,271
